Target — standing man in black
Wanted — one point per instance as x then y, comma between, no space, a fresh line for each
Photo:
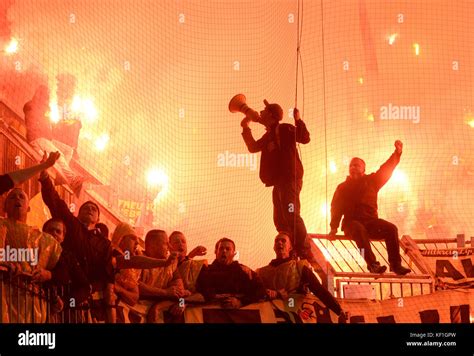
356,199
281,168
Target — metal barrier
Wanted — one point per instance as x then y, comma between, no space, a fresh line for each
25,302
447,243
387,288
340,263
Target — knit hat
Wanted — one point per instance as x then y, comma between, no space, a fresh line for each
91,202
122,230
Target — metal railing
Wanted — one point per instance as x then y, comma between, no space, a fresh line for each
25,302
342,264
388,288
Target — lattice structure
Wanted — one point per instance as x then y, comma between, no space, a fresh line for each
341,264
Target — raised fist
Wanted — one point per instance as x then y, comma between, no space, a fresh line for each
398,146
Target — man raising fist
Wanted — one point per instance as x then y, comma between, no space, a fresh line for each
356,199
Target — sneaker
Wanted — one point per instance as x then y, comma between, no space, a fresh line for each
376,268
400,270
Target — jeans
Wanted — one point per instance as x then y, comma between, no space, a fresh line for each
286,213
375,229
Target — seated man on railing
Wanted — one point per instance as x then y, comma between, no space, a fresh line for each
356,200
228,282
24,249
285,275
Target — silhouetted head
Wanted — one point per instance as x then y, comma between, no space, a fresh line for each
156,244
356,168
89,214
17,205
225,251
271,115
282,245
178,244
56,228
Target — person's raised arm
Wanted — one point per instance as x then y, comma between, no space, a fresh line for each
252,145
56,205
385,171
143,262
197,251
302,133
22,175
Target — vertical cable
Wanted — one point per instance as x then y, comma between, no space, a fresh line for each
324,119
297,50
298,43
324,107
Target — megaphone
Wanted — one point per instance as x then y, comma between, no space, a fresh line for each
239,104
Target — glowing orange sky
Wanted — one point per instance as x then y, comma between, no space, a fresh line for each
161,87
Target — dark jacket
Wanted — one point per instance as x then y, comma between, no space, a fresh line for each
218,278
357,199
92,251
68,272
280,159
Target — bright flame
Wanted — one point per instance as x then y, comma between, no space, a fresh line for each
400,178
86,134
102,141
89,109
54,112
361,80
471,123
157,179
392,38
416,46
76,103
370,117
84,107
332,167
12,47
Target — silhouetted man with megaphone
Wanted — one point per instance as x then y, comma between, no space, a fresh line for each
281,167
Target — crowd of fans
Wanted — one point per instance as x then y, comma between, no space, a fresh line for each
107,275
